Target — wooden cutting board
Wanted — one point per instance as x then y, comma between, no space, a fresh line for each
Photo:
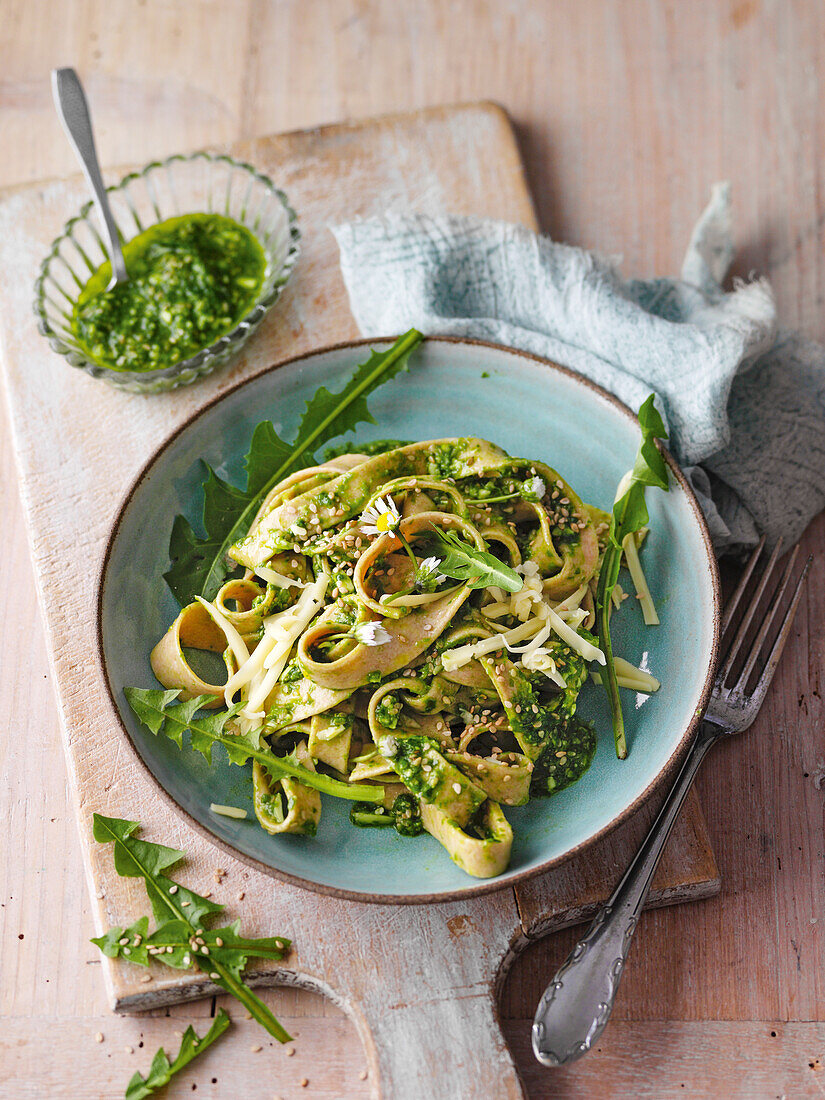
413,978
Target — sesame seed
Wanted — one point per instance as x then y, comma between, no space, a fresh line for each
457,788
290,1051
204,950
214,976
129,1050
170,950
304,1082
362,1076
184,904
241,896
99,1037
219,941
173,889
127,951
123,941
256,1049
146,978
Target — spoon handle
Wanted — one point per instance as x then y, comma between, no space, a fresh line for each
70,101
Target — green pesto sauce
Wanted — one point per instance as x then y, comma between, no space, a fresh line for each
192,279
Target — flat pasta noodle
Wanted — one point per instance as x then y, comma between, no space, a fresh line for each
351,654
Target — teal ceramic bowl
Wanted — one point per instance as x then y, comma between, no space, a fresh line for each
530,407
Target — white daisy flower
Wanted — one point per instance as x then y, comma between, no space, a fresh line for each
381,518
534,489
370,633
427,570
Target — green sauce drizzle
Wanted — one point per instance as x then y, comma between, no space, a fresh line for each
192,279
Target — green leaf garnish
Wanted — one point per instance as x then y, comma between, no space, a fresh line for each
162,1070
478,568
159,711
629,515
180,940
199,565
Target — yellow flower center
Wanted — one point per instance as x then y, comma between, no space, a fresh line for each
385,522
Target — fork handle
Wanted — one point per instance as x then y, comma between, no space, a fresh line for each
576,1006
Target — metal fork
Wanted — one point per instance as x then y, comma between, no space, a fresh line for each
576,1006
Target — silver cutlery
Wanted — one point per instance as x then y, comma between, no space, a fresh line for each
70,101
576,1006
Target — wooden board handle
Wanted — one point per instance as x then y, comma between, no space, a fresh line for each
448,1047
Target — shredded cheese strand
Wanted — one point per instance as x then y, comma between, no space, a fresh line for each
272,576
634,565
567,634
304,610
233,638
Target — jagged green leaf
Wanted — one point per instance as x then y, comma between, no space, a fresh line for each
199,563
162,1070
163,715
180,939
480,569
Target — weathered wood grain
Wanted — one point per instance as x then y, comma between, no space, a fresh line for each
626,111
70,483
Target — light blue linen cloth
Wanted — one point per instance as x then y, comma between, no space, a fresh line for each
743,399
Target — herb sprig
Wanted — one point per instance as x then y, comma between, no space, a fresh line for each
180,939
162,1070
199,565
162,714
478,568
629,515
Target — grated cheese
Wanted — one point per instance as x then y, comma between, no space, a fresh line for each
631,555
287,626
233,638
271,576
628,676
228,811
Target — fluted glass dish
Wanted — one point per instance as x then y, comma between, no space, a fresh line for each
197,183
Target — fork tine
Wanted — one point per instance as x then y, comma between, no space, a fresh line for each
747,618
784,633
759,640
733,602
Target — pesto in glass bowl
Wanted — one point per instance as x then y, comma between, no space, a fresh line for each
209,245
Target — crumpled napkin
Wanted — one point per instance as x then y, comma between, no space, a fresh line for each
743,399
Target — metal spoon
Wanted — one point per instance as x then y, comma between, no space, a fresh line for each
70,101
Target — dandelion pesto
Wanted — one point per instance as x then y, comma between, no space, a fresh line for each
191,280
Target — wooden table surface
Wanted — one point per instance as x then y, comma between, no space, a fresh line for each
627,111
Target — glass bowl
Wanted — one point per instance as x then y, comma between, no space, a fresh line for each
200,182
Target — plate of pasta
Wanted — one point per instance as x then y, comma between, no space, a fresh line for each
448,634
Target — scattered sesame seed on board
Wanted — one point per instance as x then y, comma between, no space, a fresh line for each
362,1076
129,1050
290,1051
99,1037
256,1049
304,1082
